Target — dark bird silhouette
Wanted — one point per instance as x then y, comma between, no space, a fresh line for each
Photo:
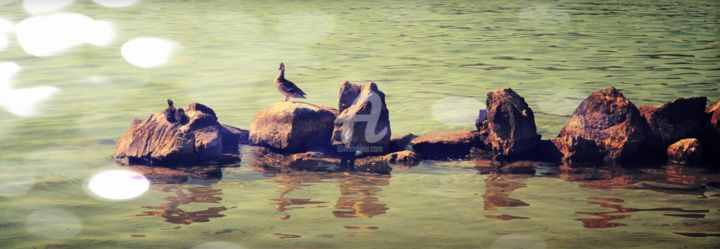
170,112
287,88
181,117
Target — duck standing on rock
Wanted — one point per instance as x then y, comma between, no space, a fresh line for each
181,117
170,112
286,87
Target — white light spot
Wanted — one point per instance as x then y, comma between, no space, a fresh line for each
15,180
117,184
6,2
53,224
305,27
20,102
219,245
49,35
518,241
116,3
456,111
35,7
148,52
6,26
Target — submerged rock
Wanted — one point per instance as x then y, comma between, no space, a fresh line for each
685,151
444,145
404,157
202,140
363,125
610,121
510,124
293,127
678,119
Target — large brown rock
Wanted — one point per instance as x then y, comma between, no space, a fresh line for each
363,125
711,138
447,145
686,151
607,119
510,124
293,127
672,121
714,111
203,140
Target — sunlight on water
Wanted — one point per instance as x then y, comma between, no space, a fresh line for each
20,102
49,35
90,67
148,52
118,184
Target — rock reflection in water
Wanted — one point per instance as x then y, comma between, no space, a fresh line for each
290,183
358,192
497,194
358,195
172,213
607,219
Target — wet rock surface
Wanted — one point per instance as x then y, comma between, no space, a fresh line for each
157,141
363,124
269,160
404,157
609,120
447,145
293,127
400,143
685,151
510,124
672,121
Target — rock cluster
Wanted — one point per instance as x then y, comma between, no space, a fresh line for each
156,141
605,128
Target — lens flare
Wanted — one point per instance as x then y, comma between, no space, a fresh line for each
148,52
44,36
117,184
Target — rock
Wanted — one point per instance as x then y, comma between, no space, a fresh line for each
481,118
714,111
157,142
686,151
405,157
443,145
609,120
376,164
363,125
510,124
400,143
577,149
546,151
675,120
710,140
293,127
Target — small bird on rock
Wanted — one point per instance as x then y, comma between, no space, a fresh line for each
181,117
170,112
287,88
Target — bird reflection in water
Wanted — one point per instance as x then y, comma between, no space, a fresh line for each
172,213
497,194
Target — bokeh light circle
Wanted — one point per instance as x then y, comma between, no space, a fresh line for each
118,184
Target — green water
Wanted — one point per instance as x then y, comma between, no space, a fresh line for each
434,60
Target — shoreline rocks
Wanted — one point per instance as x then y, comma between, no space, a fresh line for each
610,121
156,141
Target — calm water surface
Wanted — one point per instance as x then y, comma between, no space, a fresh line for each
435,60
